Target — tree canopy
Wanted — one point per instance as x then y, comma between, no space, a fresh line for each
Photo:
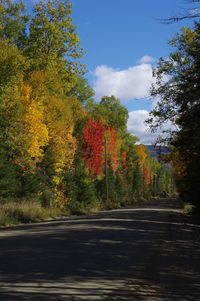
178,87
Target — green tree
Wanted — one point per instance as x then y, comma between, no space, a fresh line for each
80,188
178,86
53,43
13,22
12,66
82,90
47,38
113,113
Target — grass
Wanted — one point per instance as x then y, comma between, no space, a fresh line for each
23,211
193,211
13,213
188,208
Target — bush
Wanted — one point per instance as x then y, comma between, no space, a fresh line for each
80,208
188,208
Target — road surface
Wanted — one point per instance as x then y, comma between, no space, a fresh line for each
150,252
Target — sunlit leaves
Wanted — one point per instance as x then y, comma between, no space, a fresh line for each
142,154
34,133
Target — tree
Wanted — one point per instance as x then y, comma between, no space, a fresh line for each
191,13
113,113
178,86
47,38
93,145
53,43
13,22
111,137
142,154
177,80
82,90
13,65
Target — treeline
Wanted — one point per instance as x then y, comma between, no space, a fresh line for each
60,149
178,88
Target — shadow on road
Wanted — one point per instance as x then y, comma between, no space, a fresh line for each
143,253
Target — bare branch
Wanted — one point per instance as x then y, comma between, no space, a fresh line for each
192,13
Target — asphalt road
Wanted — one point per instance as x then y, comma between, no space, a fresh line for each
145,253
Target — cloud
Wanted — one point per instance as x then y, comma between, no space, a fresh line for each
137,127
194,11
146,59
128,84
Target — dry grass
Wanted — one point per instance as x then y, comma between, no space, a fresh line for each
13,213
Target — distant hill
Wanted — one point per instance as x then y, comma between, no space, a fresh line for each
155,151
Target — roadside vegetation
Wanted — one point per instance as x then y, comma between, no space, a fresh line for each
62,153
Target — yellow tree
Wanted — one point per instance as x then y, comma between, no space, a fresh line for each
142,154
62,144
33,131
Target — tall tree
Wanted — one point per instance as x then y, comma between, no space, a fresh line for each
53,43
47,38
178,87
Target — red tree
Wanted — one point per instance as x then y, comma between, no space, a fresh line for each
93,137
147,175
124,160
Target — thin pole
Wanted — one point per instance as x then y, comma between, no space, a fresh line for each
106,167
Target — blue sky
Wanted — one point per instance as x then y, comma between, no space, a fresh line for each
123,40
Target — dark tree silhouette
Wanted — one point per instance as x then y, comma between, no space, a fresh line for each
191,13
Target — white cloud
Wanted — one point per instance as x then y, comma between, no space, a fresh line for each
146,59
137,127
194,11
128,84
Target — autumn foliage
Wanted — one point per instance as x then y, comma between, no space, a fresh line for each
124,160
58,146
93,137
147,175
142,154
112,147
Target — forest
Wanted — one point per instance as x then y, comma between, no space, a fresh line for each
62,152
